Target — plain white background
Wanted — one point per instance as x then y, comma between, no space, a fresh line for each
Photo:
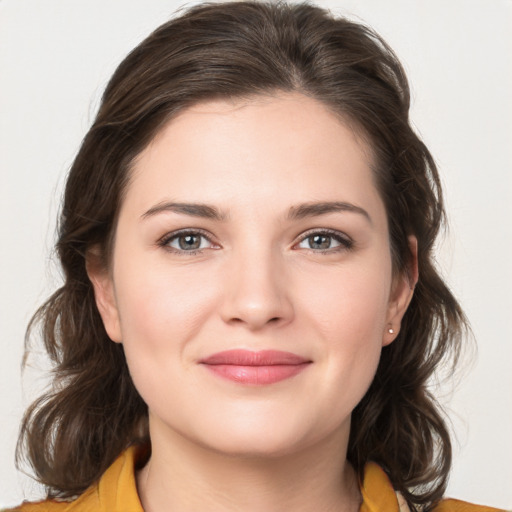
55,59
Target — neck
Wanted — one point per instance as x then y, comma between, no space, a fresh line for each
184,477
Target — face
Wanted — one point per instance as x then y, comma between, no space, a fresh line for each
251,281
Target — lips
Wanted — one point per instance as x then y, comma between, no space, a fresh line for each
255,368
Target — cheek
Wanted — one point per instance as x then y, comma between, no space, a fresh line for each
348,312
348,305
160,309
162,315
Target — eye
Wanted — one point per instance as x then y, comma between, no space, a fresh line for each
325,241
186,241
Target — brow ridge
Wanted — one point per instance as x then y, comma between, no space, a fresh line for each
193,209
322,208
296,212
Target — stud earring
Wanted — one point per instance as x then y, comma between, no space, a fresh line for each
391,330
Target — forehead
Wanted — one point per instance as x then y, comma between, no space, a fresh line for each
283,109
287,148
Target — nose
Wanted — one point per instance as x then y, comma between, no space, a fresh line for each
257,292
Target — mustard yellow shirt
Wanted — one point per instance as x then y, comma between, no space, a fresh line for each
117,492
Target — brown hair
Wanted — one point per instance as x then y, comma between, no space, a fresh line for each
72,434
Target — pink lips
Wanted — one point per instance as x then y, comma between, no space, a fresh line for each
260,368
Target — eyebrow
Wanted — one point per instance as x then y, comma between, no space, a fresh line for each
297,212
193,209
322,208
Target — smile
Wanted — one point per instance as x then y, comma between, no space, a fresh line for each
256,368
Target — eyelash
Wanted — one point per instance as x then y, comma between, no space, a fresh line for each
345,242
168,238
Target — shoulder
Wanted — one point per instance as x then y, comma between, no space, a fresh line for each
85,503
39,506
379,495
116,491
451,505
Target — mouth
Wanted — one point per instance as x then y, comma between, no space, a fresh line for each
255,368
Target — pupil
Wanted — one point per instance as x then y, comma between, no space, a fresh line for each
189,242
320,242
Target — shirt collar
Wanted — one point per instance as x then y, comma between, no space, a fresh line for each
376,489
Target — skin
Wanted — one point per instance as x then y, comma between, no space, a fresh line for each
257,281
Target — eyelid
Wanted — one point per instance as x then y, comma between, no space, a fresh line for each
346,242
165,239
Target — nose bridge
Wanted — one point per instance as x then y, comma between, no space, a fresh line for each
257,291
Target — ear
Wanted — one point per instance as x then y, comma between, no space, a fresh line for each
401,294
104,293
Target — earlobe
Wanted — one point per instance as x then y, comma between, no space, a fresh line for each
104,294
401,294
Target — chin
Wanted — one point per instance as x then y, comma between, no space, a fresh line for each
258,439
261,446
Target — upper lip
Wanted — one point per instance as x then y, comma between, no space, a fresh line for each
242,357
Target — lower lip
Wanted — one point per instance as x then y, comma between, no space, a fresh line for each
256,375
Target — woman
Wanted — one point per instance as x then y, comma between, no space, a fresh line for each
251,311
